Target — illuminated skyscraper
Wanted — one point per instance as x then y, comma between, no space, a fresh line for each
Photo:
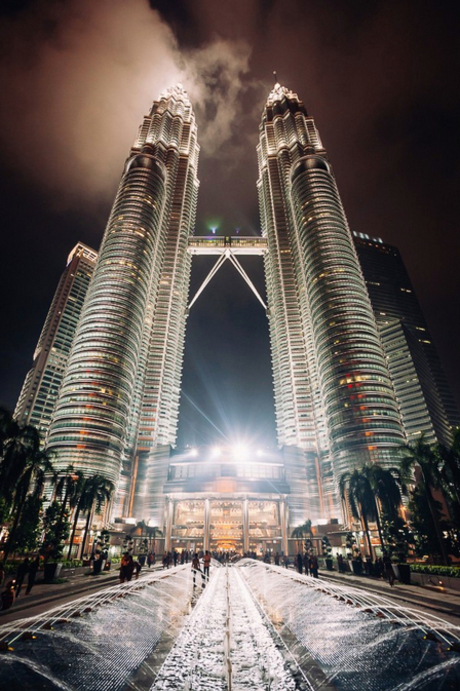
120,395
333,395
426,401
118,407
40,389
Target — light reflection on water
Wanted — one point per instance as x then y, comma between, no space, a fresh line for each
100,650
356,650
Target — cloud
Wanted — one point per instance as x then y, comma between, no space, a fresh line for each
77,77
216,79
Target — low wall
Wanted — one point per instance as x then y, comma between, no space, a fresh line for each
433,580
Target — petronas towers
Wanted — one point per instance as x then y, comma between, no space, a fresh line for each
119,399
120,394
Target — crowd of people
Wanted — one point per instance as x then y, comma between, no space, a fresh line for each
131,566
308,563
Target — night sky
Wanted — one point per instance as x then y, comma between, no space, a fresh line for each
76,78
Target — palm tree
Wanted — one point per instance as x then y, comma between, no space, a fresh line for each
97,490
81,505
356,488
33,466
450,468
419,453
16,444
9,431
7,426
388,488
71,484
152,532
301,532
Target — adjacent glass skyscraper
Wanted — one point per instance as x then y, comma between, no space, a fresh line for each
40,389
423,393
120,394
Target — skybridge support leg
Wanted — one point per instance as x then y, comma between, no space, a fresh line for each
227,254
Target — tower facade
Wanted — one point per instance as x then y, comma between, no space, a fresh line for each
120,394
412,356
333,393
40,389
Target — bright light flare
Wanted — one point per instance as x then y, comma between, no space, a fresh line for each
240,452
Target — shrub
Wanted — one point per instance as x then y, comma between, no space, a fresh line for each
453,571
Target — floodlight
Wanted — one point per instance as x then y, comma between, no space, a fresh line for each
240,452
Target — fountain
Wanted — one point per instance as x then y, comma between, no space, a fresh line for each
251,627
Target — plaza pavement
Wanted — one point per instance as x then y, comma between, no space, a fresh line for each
45,596
79,582
443,601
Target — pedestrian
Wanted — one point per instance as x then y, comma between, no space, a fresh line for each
368,566
35,565
149,559
388,568
195,567
2,572
286,561
206,565
137,568
175,557
126,568
339,562
306,563
142,559
23,569
314,566
277,559
299,562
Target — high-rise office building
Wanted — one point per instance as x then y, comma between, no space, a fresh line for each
335,406
40,389
120,395
333,394
412,356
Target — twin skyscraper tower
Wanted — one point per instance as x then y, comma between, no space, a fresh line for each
118,403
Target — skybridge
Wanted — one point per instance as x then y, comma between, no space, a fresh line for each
228,247
250,245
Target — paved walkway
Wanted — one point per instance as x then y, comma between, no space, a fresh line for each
445,601
44,596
